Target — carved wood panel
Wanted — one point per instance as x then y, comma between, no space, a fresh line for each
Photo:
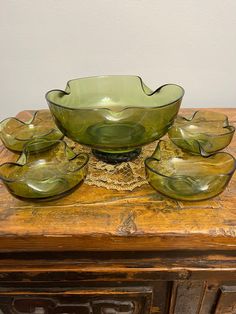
78,302
187,297
226,303
53,306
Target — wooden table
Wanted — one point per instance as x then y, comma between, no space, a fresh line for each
106,252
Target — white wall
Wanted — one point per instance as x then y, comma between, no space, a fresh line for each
44,43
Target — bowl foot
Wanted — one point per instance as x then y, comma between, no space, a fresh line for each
116,158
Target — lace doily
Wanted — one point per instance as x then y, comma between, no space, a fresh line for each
125,176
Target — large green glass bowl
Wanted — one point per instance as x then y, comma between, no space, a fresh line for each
44,175
183,176
205,133
114,115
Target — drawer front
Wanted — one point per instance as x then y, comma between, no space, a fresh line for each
94,301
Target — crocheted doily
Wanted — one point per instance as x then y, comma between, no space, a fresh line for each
125,176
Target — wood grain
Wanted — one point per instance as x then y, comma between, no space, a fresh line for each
93,218
112,267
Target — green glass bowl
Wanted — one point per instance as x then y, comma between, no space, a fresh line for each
205,133
44,175
15,134
114,115
179,175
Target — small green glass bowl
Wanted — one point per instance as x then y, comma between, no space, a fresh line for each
15,134
205,133
179,175
114,115
44,175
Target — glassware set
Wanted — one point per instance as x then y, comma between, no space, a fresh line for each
115,116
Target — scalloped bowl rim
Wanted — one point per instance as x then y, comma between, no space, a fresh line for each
27,123
109,109
24,152
227,126
151,158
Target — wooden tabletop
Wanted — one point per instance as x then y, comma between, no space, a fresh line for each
93,218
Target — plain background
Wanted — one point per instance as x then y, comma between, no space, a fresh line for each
189,42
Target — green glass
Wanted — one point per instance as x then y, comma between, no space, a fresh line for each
114,115
205,133
15,134
44,175
179,175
